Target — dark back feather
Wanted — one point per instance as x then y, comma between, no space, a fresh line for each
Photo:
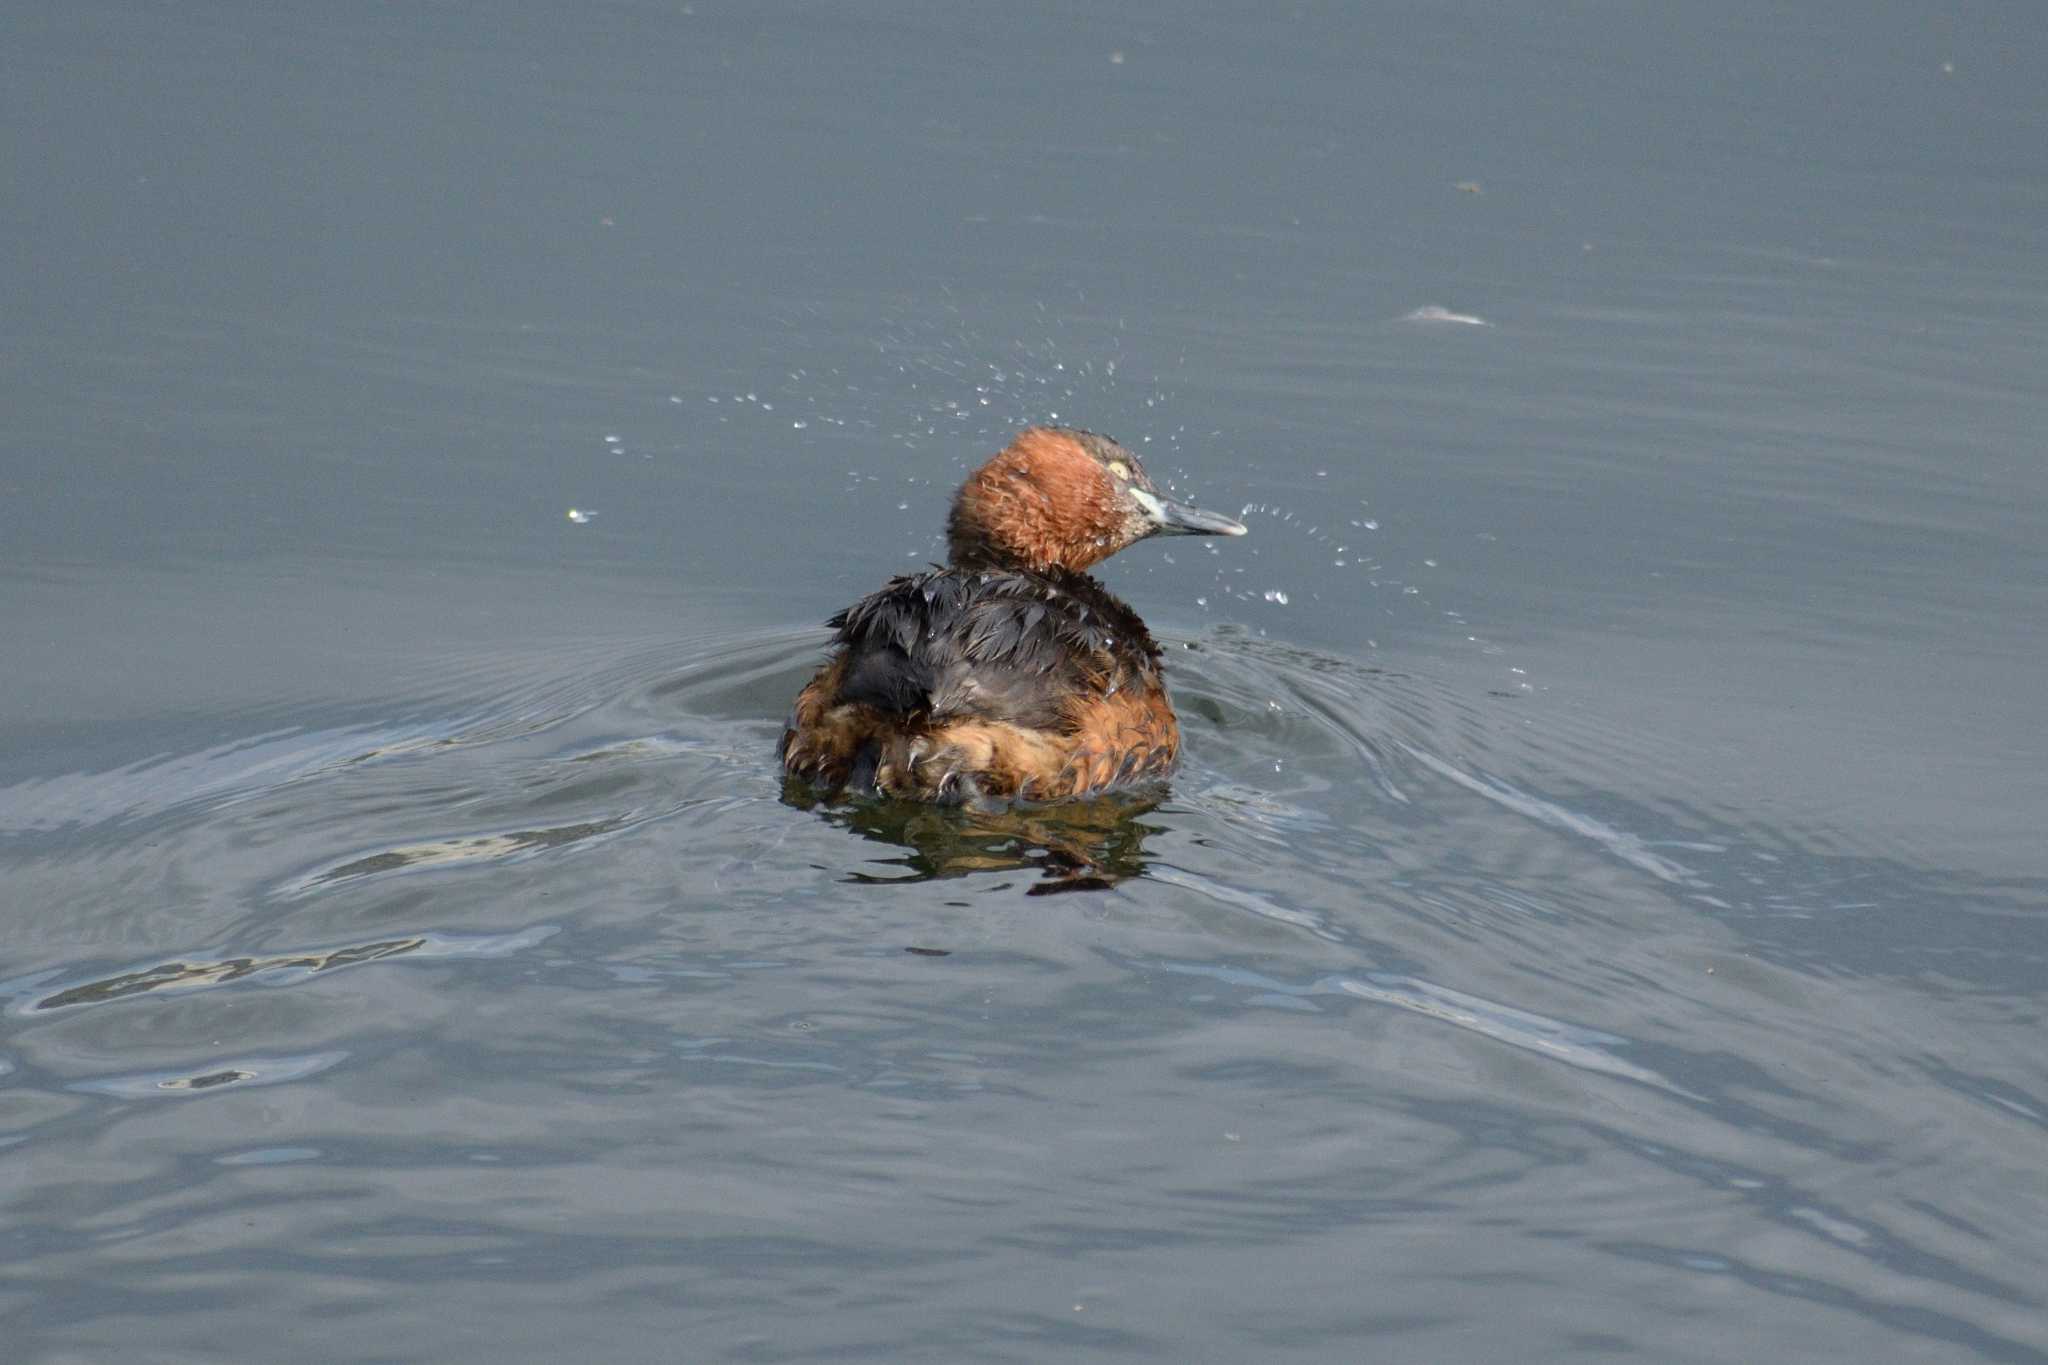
985,644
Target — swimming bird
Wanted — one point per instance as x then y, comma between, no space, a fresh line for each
1009,674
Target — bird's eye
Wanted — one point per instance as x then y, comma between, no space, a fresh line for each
1120,469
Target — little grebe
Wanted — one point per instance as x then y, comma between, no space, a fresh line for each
1010,673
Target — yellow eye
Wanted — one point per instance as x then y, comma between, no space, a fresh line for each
1120,469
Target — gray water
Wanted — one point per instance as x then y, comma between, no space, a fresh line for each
1603,911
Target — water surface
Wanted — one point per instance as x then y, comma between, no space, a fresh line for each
1602,908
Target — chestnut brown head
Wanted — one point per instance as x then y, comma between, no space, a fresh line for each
1060,497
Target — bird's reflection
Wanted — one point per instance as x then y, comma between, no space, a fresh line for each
1088,845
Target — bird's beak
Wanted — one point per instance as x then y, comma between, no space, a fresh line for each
1170,518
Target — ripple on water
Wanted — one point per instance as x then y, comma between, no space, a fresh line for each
588,904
